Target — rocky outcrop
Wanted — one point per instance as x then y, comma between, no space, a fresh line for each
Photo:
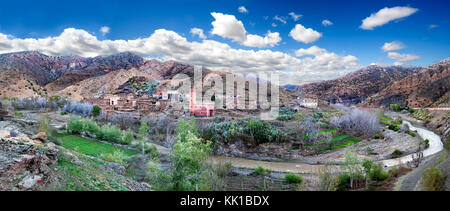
357,86
25,165
3,111
421,89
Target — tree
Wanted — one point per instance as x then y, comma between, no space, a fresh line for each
351,164
143,130
96,110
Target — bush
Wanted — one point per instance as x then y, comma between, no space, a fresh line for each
44,125
75,124
96,110
396,154
18,114
395,107
128,138
411,133
260,171
426,143
152,151
394,127
342,182
359,121
117,156
293,178
63,113
91,127
111,133
432,179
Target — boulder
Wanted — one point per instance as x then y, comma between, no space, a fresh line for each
30,181
5,134
41,136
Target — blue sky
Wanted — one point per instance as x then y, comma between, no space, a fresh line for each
424,34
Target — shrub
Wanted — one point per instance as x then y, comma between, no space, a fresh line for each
63,113
411,133
396,154
117,156
342,182
111,133
128,138
96,110
432,179
395,107
359,121
152,151
426,143
91,127
79,108
293,178
18,114
44,125
394,127
260,171
75,124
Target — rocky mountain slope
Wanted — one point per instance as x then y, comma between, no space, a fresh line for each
381,86
429,87
356,86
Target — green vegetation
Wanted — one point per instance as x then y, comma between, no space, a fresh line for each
44,124
188,156
117,156
323,132
286,114
87,177
90,147
18,114
63,113
261,171
96,110
411,133
253,131
346,143
128,138
396,154
395,107
110,133
143,130
432,179
293,178
426,143
422,114
374,171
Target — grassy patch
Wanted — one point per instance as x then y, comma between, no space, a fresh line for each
344,144
323,132
334,139
90,147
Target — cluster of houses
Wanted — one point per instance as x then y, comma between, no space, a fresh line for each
146,104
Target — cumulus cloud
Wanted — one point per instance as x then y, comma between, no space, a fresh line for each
228,26
198,32
281,19
302,34
322,59
393,46
402,59
294,16
105,30
274,25
386,15
169,45
327,23
242,9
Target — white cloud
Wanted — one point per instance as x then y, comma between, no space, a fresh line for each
301,34
228,26
274,25
386,15
294,16
432,26
168,45
327,23
281,19
271,39
402,59
242,9
198,32
105,30
393,46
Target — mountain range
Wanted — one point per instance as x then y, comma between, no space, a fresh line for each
26,74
